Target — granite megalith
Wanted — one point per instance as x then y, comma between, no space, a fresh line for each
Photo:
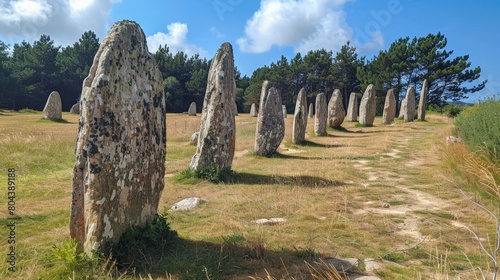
75,109
422,103
300,118
119,172
368,107
284,111
53,107
353,108
192,109
310,113
336,111
216,142
253,110
321,116
270,128
408,106
389,108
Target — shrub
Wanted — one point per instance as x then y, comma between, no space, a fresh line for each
479,127
216,175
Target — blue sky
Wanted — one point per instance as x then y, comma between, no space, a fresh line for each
262,31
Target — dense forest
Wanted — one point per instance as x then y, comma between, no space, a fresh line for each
30,71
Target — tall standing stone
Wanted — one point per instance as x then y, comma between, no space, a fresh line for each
235,108
353,108
422,103
310,113
216,142
253,110
120,151
75,109
336,111
321,116
192,109
368,106
53,107
402,108
270,128
284,111
389,108
300,118
408,106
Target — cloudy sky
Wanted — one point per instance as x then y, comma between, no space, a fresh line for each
262,31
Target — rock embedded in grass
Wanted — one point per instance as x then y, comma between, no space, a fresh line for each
53,107
188,204
119,172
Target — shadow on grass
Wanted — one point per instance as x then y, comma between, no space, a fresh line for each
301,180
54,121
233,257
308,143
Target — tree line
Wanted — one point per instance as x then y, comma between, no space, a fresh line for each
30,71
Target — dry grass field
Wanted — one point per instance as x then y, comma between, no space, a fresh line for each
385,195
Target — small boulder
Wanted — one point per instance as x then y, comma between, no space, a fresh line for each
194,138
192,109
188,204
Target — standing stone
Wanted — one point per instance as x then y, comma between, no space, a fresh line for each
253,110
352,110
193,140
310,114
336,111
270,128
235,107
120,150
284,111
321,117
402,108
192,109
53,107
422,103
75,109
389,108
216,142
408,106
368,107
300,118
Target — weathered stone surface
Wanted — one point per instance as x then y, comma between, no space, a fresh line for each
120,151
192,109
53,107
402,108
300,118
353,108
253,110
336,111
270,128
422,103
188,204
408,106
368,107
216,142
389,108
310,113
193,140
271,221
75,109
321,117
235,107
284,111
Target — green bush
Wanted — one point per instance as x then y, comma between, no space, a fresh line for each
216,175
479,127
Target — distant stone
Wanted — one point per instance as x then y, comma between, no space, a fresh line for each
453,140
348,265
336,111
389,108
271,221
402,108
75,109
300,118
321,117
53,107
253,110
188,204
193,140
270,128
368,107
218,128
119,172
353,108
422,103
284,111
408,106
310,113
235,109
192,109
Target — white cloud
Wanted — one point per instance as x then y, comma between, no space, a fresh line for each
175,39
302,24
64,20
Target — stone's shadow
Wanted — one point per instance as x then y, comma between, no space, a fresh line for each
225,258
307,143
301,180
